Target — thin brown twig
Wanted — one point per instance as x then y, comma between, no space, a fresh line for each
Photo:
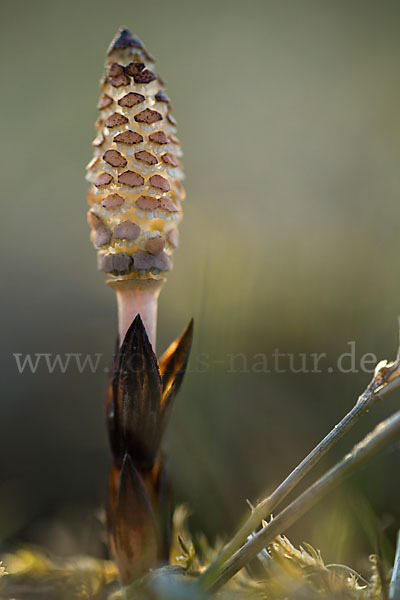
383,434
386,378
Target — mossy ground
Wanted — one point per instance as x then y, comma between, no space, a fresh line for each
283,572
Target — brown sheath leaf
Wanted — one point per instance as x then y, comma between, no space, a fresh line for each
139,387
135,533
173,361
173,367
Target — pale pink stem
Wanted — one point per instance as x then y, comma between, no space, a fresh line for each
137,296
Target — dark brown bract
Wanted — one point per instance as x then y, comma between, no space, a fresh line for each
140,396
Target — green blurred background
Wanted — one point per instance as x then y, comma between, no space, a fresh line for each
288,113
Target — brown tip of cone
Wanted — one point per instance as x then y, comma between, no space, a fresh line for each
124,39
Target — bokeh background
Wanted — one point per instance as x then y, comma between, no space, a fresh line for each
288,114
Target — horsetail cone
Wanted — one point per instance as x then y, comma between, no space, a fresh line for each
136,193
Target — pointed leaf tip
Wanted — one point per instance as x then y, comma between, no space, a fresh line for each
139,386
136,332
172,367
176,356
124,39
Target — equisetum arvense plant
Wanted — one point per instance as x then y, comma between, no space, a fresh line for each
135,206
136,192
